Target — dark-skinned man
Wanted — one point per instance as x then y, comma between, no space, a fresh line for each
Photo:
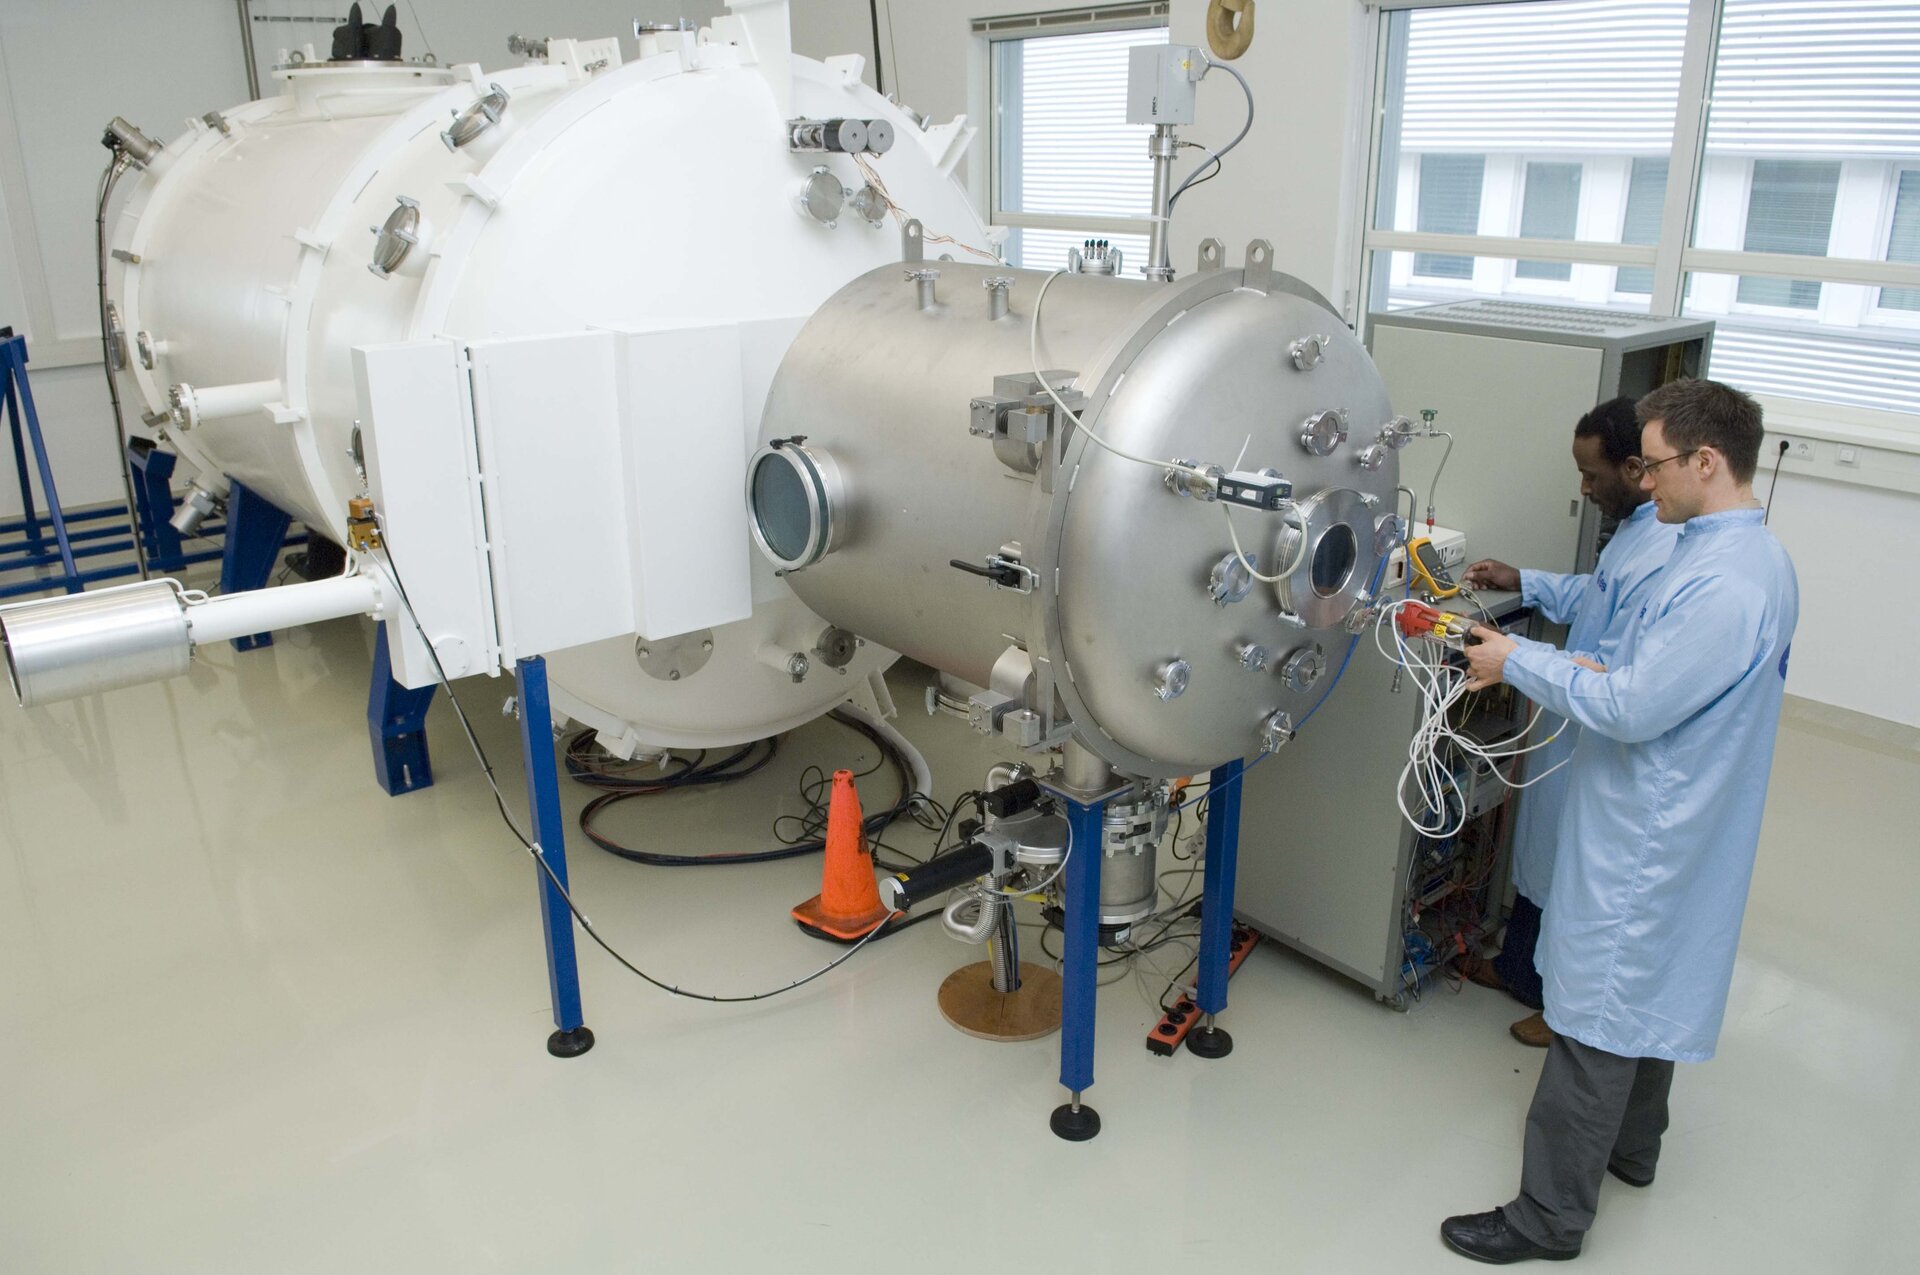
1662,818
1606,450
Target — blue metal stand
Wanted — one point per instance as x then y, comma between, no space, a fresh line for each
1216,908
571,1036
1073,1120
397,722
24,422
256,528
152,471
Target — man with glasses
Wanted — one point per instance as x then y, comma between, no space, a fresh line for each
1662,818
1606,451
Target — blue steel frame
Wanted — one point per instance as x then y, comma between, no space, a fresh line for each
397,724
1216,897
21,414
1081,943
549,838
256,529
1080,964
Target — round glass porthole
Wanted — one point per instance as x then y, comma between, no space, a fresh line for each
1333,559
792,497
1340,554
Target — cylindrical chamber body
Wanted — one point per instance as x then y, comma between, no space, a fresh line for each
1121,563
658,193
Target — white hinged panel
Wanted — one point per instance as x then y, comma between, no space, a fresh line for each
422,475
547,414
685,465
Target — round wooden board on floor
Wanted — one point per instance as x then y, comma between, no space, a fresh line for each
969,1002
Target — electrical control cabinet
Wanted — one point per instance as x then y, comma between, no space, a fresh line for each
1342,877
1508,379
1329,866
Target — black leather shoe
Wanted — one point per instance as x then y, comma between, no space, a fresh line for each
1486,1237
1640,1183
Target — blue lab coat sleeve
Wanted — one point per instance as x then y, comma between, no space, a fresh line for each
1552,594
1700,645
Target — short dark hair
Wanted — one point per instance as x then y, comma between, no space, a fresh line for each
1697,413
1617,428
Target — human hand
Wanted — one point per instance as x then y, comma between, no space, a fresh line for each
1490,573
1586,663
1487,657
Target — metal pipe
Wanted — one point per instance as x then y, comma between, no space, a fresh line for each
1439,469
246,49
198,404
60,648
1005,955
1084,771
968,918
997,288
235,615
200,505
108,180
1161,148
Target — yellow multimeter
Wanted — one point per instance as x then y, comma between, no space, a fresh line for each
1424,560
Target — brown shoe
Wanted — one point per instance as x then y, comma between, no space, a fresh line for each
1480,970
1533,1031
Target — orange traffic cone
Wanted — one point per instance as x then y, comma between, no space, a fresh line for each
848,906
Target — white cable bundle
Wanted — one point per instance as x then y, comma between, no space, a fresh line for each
1442,685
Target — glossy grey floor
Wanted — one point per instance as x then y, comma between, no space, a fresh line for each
257,1016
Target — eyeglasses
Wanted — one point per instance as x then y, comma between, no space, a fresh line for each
1648,466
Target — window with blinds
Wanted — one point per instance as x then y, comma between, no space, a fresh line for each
1646,200
1449,204
1903,239
1550,209
1067,167
1536,121
1789,209
1567,113
1814,117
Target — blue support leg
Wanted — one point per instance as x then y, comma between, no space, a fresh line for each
152,471
1216,909
571,1037
256,528
397,722
31,522
21,411
1073,1120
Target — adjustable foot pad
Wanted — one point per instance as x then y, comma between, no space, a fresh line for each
1075,1125
570,1044
1209,1042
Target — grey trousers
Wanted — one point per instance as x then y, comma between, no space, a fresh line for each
1591,1107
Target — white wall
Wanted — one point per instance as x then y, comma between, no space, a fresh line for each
1851,548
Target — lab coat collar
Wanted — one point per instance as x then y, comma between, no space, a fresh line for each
1641,512
1706,523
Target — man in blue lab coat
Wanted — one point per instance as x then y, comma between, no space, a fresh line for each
1662,818
1606,451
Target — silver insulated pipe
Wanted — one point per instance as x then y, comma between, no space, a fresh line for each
95,642
62,648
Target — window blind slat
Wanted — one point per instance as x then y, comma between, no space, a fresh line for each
1595,76
1076,154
